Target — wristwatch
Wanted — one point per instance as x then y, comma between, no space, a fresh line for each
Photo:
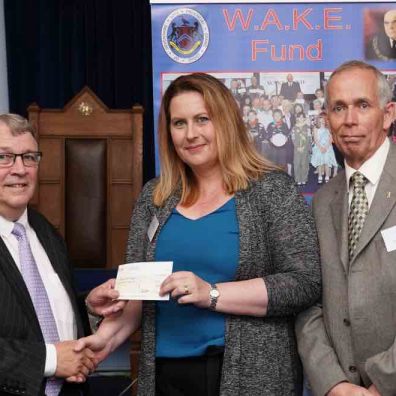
214,295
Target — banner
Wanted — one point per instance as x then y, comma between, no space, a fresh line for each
276,59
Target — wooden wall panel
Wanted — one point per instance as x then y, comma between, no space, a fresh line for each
51,163
121,205
50,203
122,160
118,245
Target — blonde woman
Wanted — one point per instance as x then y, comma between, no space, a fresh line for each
244,250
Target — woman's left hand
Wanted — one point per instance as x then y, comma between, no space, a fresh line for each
187,288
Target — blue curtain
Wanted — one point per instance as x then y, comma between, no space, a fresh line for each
55,47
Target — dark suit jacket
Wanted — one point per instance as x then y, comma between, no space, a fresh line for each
22,347
351,336
290,93
380,48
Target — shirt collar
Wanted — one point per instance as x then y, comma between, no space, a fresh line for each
373,167
6,226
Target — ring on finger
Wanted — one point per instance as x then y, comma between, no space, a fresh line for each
186,290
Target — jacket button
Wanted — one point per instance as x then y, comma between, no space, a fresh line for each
347,322
352,369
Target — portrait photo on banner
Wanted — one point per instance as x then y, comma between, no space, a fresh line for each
380,34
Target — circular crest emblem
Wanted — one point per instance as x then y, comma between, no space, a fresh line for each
185,35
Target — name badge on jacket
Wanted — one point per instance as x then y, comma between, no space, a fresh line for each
152,229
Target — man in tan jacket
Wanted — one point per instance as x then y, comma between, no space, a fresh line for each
347,342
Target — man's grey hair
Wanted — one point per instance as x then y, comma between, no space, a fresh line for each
17,124
384,91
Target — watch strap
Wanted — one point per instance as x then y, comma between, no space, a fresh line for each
213,298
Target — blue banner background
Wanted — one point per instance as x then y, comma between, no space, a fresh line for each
233,29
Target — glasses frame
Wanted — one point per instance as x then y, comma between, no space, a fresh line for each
40,154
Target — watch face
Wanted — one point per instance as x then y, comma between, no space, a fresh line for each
214,293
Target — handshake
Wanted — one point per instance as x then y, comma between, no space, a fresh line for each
76,359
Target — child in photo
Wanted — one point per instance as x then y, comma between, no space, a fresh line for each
323,158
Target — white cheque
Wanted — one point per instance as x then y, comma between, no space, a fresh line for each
142,281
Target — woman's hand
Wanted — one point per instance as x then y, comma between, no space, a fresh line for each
247,297
348,389
187,288
98,346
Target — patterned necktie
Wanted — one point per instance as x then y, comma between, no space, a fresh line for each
357,211
39,298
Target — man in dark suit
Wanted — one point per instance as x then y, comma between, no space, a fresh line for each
348,341
383,45
255,90
39,311
290,88
236,93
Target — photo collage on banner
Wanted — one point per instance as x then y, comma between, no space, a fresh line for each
276,59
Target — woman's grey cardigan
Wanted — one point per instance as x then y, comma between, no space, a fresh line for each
278,243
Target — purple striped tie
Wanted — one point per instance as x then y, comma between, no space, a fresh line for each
39,297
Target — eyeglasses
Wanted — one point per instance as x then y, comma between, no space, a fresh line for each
29,159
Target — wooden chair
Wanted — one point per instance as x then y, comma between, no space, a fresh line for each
89,179
90,175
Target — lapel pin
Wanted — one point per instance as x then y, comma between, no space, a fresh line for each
388,194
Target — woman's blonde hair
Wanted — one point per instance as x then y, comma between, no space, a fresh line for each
239,161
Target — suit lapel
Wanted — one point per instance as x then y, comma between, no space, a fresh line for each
13,276
339,214
48,242
383,202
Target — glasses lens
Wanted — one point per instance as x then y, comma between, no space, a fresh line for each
6,159
31,159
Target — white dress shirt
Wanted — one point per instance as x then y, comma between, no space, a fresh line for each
371,169
57,295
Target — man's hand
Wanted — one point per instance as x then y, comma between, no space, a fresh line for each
73,363
98,346
102,300
348,389
373,390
